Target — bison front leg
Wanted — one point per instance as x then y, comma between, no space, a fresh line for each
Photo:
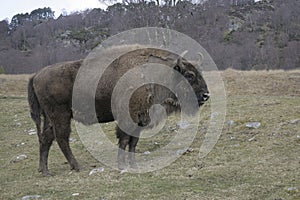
121,152
123,142
45,141
131,156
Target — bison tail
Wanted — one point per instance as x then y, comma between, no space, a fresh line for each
35,109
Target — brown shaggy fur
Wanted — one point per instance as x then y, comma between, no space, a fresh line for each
50,96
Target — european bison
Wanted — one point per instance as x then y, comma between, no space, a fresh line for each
50,96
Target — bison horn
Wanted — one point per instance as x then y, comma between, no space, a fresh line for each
179,60
183,53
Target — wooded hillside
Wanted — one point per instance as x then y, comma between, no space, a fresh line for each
239,34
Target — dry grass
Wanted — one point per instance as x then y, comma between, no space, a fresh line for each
13,85
266,83
246,163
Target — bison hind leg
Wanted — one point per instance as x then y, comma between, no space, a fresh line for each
61,122
62,138
46,138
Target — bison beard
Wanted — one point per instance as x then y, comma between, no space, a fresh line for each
50,96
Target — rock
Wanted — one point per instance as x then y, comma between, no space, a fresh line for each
183,124
18,124
147,152
253,124
31,197
97,170
214,114
71,140
294,121
19,158
123,171
21,144
75,194
252,139
230,123
199,165
31,131
16,118
190,173
184,151
172,128
292,190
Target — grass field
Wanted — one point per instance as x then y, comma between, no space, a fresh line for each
246,163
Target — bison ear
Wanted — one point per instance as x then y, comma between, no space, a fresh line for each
201,58
200,61
178,65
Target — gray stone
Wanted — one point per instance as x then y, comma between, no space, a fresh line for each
230,123
29,197
19,158
253,124
97,170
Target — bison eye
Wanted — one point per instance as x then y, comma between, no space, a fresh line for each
177,68
190,76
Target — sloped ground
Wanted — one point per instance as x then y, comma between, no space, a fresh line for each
246,163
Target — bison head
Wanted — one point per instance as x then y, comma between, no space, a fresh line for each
195,79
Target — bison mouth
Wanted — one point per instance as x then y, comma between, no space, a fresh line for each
175,103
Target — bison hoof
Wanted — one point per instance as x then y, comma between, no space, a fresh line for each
47,174
76,168
121,166
133,165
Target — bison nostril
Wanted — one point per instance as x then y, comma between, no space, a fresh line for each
205,96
